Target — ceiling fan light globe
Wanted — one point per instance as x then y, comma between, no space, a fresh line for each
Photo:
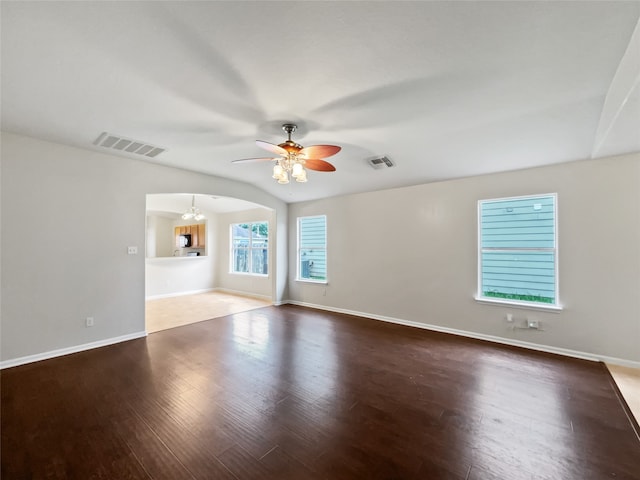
302,178
297,170
283,179
277,171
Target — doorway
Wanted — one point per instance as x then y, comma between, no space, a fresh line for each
191,283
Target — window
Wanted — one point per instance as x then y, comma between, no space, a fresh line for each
312,249
250,248
518,258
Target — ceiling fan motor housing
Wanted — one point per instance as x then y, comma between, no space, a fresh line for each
293,156
291,146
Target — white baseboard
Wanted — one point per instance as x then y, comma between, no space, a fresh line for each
505,341
68,350
179,294
478,336
207,290
257,296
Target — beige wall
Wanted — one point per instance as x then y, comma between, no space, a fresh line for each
407,254
411,254
69,253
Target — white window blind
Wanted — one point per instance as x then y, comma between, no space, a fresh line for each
312,248
518,258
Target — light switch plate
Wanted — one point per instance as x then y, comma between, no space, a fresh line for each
132,250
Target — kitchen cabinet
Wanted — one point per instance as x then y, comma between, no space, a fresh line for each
197,232
201,235
193,230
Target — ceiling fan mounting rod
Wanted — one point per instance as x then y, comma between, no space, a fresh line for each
289,128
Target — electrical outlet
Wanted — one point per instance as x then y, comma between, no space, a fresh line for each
533,323
89,322
132,250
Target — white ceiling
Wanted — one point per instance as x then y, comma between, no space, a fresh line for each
445,89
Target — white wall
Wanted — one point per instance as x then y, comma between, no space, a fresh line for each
171,276
160,236
72,260
165,244
251,284
411,254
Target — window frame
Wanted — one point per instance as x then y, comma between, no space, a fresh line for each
299,278
249,249
512,302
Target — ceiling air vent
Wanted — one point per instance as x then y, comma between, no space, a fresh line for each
381,162
116,142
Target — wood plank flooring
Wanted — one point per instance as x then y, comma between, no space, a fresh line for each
294,393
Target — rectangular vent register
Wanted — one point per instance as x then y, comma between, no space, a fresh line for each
116,142
381,162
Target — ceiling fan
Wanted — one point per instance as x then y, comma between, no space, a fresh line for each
294,159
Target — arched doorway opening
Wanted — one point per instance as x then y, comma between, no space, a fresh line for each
206,266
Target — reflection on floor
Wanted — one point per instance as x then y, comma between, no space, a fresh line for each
628,381
171,312
164,313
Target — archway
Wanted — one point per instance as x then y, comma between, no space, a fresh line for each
190,272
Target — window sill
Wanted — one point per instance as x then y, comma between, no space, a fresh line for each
181,257
247,274
308,280
528,306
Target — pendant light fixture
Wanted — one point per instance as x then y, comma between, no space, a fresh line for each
193,213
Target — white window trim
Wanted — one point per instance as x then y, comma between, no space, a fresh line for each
315,282
231,271
326,253
520,303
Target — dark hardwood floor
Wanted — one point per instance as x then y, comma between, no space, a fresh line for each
294,393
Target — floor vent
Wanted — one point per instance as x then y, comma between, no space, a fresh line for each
116,142
381,162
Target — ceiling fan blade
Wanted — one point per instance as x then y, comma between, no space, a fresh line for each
264,159
271,147
319,151
319,165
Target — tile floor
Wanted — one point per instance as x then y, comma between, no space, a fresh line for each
628,381
164,313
